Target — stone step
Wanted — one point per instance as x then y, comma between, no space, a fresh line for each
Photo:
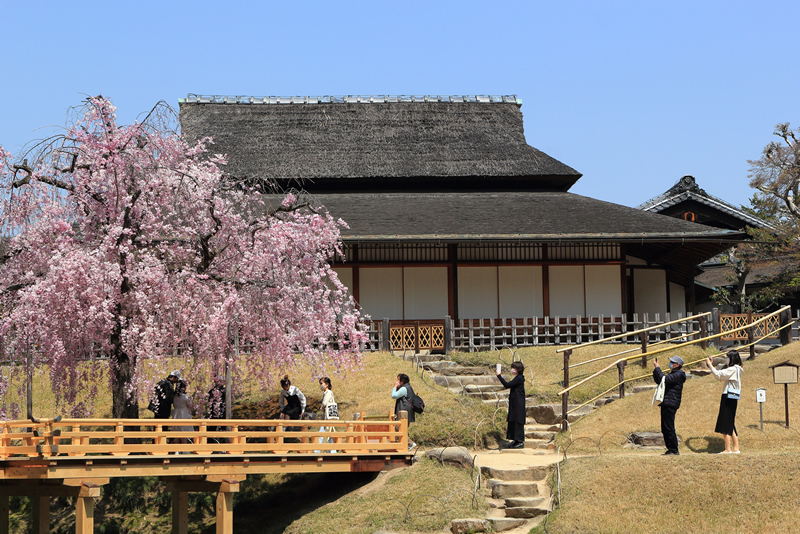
491,397
469,371
502,403
525,502
501,524
526,512
438,365
408,355
640,389
536,433
488,395
551,413
479,380
504,490
525,474
476,388
533,425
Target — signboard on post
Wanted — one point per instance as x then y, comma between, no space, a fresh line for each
785,373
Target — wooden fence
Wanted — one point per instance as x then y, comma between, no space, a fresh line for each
124,437
493,334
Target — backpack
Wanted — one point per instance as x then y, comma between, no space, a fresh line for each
417,404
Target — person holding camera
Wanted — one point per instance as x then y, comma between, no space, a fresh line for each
726,418
516,405
673,391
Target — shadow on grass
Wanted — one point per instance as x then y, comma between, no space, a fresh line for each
705,444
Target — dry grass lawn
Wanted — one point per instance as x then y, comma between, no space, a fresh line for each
627,490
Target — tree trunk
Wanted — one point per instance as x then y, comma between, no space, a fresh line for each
125,406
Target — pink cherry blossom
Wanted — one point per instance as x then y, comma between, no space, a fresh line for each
126,242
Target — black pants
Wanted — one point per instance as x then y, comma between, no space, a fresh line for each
668,427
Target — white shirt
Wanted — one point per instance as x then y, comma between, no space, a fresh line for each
732,376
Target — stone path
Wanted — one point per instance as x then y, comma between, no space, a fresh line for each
519,482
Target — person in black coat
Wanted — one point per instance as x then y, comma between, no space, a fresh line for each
516,405
673,391
164,394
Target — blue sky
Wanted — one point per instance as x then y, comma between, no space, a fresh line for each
632,94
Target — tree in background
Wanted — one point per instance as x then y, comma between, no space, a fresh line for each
775,251
126,241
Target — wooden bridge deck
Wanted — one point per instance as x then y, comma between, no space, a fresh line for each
76,457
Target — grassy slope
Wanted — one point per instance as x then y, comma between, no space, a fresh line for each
638,491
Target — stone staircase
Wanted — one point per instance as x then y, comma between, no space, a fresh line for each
481,383
520,497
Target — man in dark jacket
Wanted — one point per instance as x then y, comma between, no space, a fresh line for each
164,395
673,390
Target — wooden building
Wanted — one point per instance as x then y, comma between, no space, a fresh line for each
688,201
452,213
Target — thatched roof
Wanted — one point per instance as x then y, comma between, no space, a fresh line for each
377,145
687,196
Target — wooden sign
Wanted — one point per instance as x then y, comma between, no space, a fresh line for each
784,373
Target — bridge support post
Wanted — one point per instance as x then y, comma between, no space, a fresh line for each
84,508
4,525
41,514
180,512
225,506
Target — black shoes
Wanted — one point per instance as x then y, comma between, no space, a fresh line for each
670,453
516,445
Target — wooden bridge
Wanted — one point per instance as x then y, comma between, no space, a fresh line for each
76,457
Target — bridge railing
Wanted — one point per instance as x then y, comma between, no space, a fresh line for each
122,437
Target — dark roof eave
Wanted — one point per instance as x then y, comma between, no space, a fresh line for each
726,237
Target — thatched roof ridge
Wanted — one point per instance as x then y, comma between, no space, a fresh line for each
443,141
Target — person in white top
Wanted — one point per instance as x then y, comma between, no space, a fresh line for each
329,407
183,410
726,420
292,402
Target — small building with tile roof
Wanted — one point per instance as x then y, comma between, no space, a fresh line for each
452,212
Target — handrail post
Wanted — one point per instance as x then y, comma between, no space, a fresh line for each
703,328
644,348
750,335
716,327
565,396
784,318
621,369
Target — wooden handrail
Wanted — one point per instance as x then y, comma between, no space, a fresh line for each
634,379
121,437
674,347
635,332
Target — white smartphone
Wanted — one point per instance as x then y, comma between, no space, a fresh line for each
499,367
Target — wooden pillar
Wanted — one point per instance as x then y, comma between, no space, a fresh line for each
621,369
180,512
225,506
448,334
750,335
41,514
387,339
715,327
784,318
4,510
644,347
703,334
84,508
565,396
